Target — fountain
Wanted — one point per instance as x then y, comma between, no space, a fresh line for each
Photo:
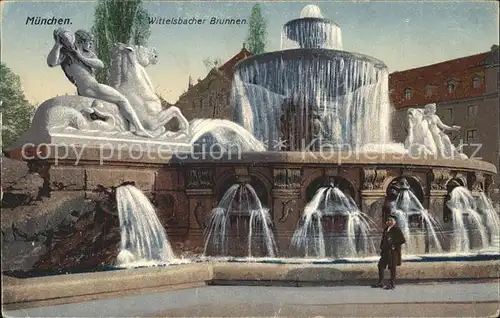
330,211
491,219
325,110
240,216
143,238
469,231
413,218
323,97
311,31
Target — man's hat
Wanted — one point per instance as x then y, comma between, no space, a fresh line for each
392,216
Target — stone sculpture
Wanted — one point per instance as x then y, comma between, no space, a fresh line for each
426,134
129,108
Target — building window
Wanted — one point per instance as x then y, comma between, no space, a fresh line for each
428,91
452,86
449,113
228,99
201,103
407,93
471,134
476,82
471,111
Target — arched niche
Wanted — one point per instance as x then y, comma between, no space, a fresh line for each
393,190
239,216
257,184
450,186
414,184
453,183
343,184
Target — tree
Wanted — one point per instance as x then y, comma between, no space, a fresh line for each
15,109
118,21
257,31
211,62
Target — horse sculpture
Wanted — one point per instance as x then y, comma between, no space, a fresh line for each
128,76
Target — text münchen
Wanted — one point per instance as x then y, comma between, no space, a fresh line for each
47,21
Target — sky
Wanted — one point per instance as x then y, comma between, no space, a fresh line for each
402,34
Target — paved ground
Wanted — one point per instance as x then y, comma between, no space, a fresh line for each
429,300
351,310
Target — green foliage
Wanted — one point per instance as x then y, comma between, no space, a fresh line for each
142,29
257,31
15,109
118,21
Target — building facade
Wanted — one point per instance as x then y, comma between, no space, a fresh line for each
211,97
465,91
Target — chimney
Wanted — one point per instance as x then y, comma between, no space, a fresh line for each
244,46
190,84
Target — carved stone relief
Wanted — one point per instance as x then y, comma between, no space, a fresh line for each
287,209
199,179
373,179
293,178
438,178
286,178
279,178
199,215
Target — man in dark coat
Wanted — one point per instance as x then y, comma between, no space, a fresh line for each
390,255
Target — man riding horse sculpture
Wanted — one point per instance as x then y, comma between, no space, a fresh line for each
75,56
129,107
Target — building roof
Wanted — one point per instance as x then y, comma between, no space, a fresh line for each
227,68
434,79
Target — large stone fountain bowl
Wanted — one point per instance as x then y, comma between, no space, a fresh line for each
289,72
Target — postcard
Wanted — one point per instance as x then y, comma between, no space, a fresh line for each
245,158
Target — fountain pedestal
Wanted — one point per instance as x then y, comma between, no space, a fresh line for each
297,126
369,200
437,199
437,207
287,206
200,204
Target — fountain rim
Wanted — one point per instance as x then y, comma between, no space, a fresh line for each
90,155
328,21
359,159
295,54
